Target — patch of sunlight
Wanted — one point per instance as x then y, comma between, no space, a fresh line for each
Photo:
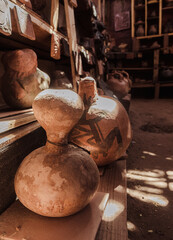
157,200
112,211
149,189
158,184
143,178
149,153
169,158
153,173
169,174
130,226
103,202
119,189
170,186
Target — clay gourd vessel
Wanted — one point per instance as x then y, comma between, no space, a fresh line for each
104,129
57,179
119,83
22,80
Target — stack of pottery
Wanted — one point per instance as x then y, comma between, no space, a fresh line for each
104,129
22,80
57,179
119,83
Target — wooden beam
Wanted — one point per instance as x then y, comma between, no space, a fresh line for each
71,31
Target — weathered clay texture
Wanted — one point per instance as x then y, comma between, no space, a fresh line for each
57,179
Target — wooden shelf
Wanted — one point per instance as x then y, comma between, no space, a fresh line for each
153,2
134,68
142,85
167,8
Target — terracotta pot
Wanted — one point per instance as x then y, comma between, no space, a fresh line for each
140,30
119,83
22,80
57,179
153,29
104,129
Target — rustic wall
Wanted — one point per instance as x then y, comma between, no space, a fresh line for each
117,7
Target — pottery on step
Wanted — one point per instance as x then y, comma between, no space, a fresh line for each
58,179
104,129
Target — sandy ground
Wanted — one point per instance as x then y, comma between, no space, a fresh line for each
150,170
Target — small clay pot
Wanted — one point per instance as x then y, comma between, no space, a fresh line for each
140,30
119,83
57,179
104,129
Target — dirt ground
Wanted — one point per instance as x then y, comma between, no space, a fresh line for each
150,170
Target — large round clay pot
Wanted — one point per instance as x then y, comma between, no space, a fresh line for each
57,179
119,83
22,80
104,129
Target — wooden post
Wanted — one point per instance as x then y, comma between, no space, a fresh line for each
160,17
54,14
156,66
132,19
71,31
146,13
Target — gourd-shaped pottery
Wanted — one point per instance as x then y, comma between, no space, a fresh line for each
57,179
22,80
104,129
140,30
167,73
119,83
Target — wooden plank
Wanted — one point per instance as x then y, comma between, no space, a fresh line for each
71,30
54,14
5,18
12,153
20,223
7,112
11,122
55,51
17,133
24,23
114,220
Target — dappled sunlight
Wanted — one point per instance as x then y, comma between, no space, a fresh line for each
131,227
119,189
153,173
149,153
170,185
158,184
112,211
158,200
149,189
169,158
143,178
